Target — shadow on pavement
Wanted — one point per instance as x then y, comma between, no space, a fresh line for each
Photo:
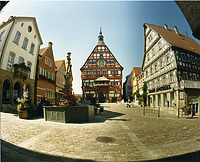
194,156
106,115
11,153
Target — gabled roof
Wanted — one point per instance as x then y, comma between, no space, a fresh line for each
176,40
58,63
14,18
41,51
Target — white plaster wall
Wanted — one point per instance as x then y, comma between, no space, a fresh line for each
18,50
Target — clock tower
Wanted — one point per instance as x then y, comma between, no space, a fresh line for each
101,74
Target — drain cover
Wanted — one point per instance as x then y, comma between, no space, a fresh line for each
105,139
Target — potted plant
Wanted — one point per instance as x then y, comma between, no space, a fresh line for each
24,110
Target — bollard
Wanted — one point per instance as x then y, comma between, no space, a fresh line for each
178,112
158,111
144,110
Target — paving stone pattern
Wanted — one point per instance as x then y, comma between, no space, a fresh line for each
134,137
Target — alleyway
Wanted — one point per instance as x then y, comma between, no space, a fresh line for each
118,134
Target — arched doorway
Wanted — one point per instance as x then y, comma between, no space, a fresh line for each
102,97
16,92
6,92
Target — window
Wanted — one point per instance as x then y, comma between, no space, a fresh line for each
32,48
150,38
192,58
112,83
116,72
94,63
183,57
146,73
116,83
10,61
194,77
164,80
153,84
48,61
161,63
108,62
1,35
155,67
112,62
45,72
25,42
171,77
89,72
90,62
84,72
159,46
40,70
185,76
20,60
98,72
167,59
153,52
17,37
158,82
151,70
104,72
101,56
94,72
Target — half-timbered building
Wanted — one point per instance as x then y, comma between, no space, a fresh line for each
102,74
171,67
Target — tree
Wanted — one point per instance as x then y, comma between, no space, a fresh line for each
144,95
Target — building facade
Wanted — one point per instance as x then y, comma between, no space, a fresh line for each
46,83
171,66
134,82
127,90
20,42
60,78
102,74
140,80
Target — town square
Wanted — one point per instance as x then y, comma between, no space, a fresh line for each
100,81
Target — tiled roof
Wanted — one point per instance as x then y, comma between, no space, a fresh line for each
58,63
177,40
42,50
137,70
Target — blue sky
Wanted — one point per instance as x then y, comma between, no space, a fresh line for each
74,26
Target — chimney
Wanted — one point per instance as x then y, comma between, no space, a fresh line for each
166,27
176,30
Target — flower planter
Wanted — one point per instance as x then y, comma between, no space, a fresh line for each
23,114
71,114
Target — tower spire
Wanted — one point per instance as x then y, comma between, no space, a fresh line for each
100,38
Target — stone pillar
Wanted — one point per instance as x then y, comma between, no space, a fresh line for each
156,100
162,98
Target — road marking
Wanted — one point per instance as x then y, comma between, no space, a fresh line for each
33,139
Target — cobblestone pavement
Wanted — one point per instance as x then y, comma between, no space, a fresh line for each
134,137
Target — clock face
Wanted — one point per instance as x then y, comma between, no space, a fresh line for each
101,63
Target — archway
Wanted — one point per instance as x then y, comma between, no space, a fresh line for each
6,92
102,97
17,90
